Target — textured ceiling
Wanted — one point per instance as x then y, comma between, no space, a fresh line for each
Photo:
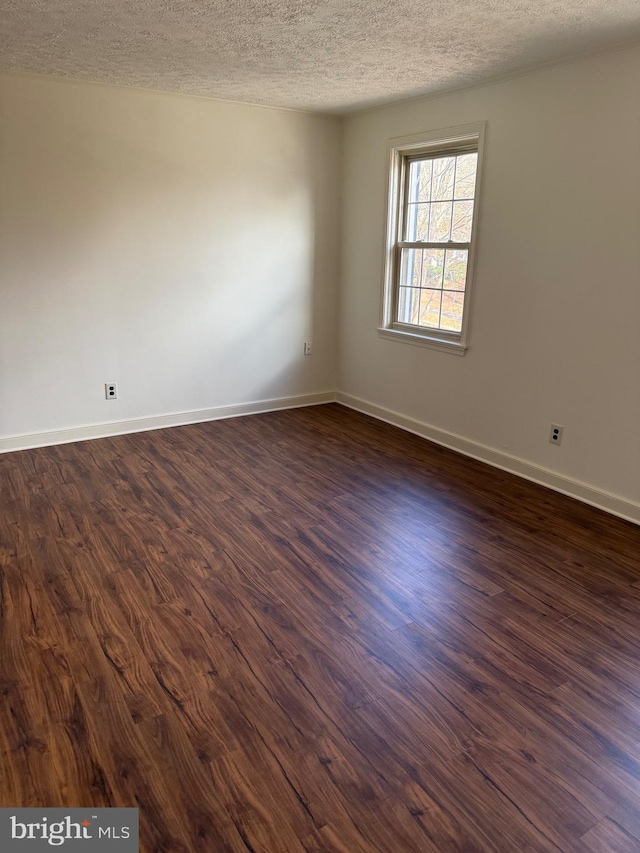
328,55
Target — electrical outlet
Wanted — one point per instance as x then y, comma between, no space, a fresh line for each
555,435
111,390
307,348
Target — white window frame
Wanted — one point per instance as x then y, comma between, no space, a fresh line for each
400,151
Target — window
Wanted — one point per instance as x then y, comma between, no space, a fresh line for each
431,223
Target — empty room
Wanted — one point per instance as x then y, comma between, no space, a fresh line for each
320,426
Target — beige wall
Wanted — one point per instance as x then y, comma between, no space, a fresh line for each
555,329
181,247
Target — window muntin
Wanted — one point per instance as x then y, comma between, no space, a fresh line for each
431,217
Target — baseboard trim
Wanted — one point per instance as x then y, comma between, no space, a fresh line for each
87,433
611,503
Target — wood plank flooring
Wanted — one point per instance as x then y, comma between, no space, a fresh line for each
309,631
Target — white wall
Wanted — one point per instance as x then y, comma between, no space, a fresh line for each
180,247
555,329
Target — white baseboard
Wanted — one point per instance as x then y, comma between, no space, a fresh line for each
85,433
614,504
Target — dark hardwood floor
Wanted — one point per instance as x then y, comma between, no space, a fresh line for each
309,631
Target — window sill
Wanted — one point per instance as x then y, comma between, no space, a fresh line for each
442,344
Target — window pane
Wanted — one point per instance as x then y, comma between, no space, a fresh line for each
440,221
430,308
410,225
413,187
442,180
455,270
408,305
417,222
451,314
421,299
462,221
466,175
410,267
419,180
432,267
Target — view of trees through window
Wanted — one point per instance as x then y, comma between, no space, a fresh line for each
438,211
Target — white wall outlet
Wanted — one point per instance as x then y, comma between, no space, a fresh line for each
111,390
555,435
307,348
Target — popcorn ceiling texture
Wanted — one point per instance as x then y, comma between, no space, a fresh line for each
328,56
